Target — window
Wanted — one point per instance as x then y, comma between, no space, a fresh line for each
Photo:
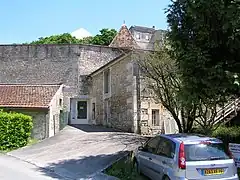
60,102
106,81
93,110
155,117
147,37
166,148
152,145
138,36
206,152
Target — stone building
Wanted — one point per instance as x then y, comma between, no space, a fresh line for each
100,84
42,102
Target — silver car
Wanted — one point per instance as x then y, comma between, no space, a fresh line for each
185,157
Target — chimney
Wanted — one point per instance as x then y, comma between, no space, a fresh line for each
153,27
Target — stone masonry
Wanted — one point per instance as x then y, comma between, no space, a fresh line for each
120,98
52,64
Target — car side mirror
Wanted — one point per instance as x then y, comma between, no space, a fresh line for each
140,148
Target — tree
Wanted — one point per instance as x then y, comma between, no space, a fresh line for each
163,79
205,41
104,38
65,38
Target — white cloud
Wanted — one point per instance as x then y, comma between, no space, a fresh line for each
81,33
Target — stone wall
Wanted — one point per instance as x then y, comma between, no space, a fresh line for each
39,116
51,64
55,107
120,98
165,122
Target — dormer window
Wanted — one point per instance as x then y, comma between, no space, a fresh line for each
60,102
138,36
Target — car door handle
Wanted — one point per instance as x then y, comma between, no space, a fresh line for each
150,159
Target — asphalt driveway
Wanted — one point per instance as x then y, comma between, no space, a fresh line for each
80,152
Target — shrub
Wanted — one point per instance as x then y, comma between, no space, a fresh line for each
15,130
228,134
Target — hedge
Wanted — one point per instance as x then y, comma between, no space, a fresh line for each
15,130
228,134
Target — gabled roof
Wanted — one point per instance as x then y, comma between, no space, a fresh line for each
124,38
27,96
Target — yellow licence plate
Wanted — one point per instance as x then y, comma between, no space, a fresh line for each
208,172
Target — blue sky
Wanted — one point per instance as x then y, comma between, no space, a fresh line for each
27,20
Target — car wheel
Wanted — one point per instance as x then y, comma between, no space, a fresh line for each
136,166
166,178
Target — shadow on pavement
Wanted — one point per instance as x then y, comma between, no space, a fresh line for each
93,128
89,167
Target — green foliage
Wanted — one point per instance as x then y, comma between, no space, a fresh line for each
104,38
15,130
65,38
228,134
124,170
163,79
205,40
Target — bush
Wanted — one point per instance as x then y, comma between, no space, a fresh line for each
228,134
15,130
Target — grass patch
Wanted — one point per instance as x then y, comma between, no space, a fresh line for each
124,169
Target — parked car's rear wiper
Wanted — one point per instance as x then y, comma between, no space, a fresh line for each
216,158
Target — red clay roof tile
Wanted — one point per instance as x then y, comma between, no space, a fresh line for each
21,95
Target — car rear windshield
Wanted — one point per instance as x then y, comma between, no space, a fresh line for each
205,152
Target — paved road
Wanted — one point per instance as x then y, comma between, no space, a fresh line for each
12,168
79,153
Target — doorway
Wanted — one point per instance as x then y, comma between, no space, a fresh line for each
79,111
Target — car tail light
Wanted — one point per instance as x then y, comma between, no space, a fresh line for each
230,153
181,157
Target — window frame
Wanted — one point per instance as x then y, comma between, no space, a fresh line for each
172,150
157,114
107,94
145,149
106,80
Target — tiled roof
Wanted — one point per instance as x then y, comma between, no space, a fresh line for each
22,95
142,29
124,38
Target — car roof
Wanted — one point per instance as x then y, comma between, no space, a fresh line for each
190,138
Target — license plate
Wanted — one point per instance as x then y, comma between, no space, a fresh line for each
208,172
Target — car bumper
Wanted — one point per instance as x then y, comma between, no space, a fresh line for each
230,178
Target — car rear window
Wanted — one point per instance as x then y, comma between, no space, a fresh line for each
205,152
